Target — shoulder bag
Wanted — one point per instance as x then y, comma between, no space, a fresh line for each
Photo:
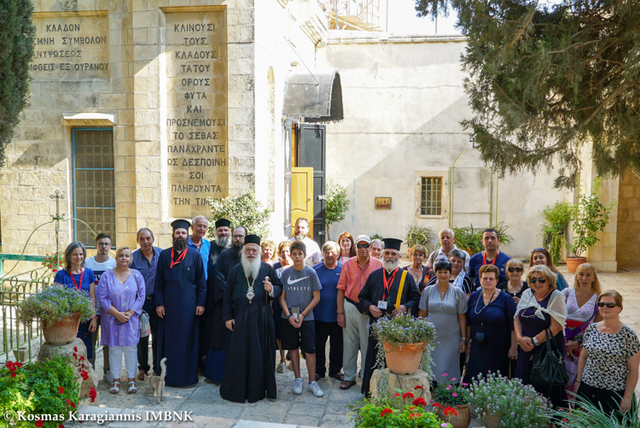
546,366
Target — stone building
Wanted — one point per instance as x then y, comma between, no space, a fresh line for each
141,109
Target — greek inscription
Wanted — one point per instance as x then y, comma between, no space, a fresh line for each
42,67
195,148
196,81
203,135
196,95
195,68
84,40
204,162
45,41
182,201
196,188
181,28
196,122
194,109
196,175
76,53
196,55
57,28
190,41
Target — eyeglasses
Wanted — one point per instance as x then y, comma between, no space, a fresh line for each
608,305
538,249
540,280
104,244
363,245
514,269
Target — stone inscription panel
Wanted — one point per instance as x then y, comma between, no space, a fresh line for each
71,45
196,70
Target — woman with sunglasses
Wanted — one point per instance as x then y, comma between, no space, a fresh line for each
541,307
582,310
608,366
540,256
515,285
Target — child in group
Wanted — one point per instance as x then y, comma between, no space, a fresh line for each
300,294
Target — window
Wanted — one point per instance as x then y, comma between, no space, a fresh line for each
93,183
431,196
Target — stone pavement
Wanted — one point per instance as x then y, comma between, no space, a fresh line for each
289,410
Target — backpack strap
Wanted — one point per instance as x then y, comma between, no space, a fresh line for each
401,288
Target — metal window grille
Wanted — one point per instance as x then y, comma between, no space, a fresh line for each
93,183
431,196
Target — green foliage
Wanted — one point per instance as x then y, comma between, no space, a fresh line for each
54,262
403,410
448,392
470,238
547,78
39,388
53,303
520,405
242,210
336,203
589,217
376,236
417,235
557,217
587,415
17,35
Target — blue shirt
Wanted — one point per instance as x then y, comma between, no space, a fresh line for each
475,263
326,310
148,270
63,277
205,248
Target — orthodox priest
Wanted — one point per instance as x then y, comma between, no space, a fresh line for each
180,294
388,291
219,336
221,243
249,371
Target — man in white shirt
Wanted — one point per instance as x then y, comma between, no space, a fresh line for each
447,243
99,264
314,255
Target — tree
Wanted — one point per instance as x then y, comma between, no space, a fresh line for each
17,35
336,203
242,210
546,80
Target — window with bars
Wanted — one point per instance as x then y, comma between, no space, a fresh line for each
93,183
431,196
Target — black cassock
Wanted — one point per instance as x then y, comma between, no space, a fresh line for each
180,289
219,332
249,372
371,294
207,318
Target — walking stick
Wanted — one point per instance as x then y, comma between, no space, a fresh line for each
266,327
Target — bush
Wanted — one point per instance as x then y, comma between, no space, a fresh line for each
242,210
417,235
53,303
557,217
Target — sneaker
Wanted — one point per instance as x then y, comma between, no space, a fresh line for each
315,388
297,386
281,367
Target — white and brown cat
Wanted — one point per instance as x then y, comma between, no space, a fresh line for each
157,382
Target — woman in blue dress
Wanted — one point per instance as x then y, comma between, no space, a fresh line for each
76,276
490,327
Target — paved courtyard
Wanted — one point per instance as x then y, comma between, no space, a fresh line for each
289,410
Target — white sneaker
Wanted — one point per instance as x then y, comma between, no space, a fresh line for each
315,388
297,386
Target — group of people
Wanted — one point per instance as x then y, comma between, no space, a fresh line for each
228,305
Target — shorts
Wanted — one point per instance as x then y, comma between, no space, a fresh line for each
303,337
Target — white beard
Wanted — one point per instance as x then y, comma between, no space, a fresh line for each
223,242
390,265
251,268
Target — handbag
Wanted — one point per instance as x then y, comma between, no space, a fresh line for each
144,326
571,365
547,367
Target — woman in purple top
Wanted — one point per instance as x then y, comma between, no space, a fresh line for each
76,276
122,290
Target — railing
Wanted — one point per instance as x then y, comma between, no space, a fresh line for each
24,340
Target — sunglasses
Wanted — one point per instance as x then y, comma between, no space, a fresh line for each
363,245
608,305
540,280
514,269
538,249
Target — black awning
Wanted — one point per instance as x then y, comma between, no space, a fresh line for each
315,96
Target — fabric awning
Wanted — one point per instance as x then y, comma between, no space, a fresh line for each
315,96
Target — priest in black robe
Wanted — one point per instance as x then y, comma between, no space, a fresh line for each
379,296
249,372
180,294
221,243
219,337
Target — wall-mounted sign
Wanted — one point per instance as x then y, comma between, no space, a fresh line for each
383,203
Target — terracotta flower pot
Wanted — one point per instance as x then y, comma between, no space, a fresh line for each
63,331
403,359
574,262
492,420
462,420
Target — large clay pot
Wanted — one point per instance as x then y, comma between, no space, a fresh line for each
574,262
403,359
492,420
63,331
461,421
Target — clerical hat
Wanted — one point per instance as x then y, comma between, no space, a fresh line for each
252,239
392,243
180,224
223,222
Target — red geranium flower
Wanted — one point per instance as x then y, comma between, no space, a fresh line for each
60,389
397,394
450,411
93,394
408,395
412,415
75,355
419,402
13,375
81,357
60,426
82,365
437,405
418,387
72,404
18,364
39,423
84,375
75,348
386,411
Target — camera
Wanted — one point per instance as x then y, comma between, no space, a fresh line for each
480,338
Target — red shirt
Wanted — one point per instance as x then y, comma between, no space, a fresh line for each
353,277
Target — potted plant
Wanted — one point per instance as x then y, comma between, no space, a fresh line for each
60,309
470,239
403,340
449,394
53,262
585,414
336,203
500,401
419,235
589,217
557,217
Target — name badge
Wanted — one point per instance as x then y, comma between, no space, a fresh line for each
382,304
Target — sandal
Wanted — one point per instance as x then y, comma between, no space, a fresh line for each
115,387
133,388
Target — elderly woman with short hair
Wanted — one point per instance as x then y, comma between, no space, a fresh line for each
515,286
459,277
541,307
420,273
268,251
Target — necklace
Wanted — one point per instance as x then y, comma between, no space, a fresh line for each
481,298
250,294
514,290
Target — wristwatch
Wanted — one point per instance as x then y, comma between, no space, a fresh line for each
535,341
464,339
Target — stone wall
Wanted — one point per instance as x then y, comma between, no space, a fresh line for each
628,240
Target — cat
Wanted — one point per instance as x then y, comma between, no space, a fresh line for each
157,382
